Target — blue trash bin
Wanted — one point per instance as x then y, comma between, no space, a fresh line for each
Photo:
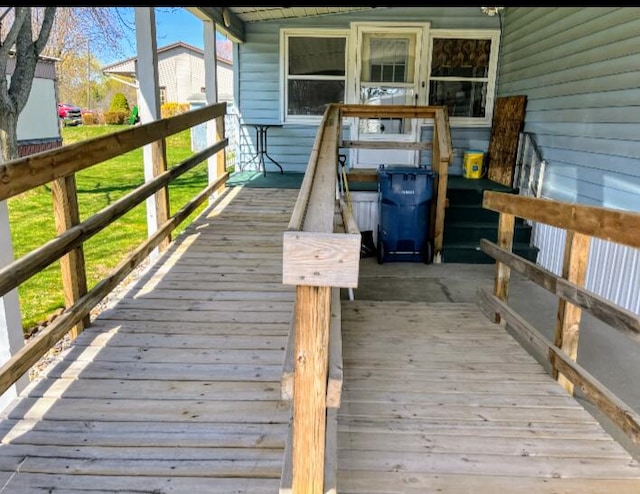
404,200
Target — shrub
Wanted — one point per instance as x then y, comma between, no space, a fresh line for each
119,103
89,119
116,117
171,109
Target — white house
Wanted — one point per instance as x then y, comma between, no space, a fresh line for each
38,125
181,71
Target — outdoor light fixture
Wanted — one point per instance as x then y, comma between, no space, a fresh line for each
491,11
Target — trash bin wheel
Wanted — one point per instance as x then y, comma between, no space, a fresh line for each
427,253
380,249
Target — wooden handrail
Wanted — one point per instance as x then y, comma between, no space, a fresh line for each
60,165
20,270
23,174
582,223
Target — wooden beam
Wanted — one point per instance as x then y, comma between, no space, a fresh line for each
72,264
597,393
506,225
12,275
386,145
608,312
574,269
23,174
321,259
608,224
334,382
310,388
388,111
362,175
229,23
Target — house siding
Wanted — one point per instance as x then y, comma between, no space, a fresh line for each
258,72
579,69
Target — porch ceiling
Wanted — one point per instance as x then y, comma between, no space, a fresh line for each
232,19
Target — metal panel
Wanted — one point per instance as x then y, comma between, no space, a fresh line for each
365,211
613,271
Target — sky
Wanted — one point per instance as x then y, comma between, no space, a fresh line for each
172,24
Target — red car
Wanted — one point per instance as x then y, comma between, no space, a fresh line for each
69,114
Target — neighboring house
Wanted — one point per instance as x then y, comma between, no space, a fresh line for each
38,125
181,72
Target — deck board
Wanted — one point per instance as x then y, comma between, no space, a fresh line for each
437,398
175,389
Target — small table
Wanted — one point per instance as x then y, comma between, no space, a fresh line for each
261,146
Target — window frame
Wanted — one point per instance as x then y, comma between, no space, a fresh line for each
285,34
490,34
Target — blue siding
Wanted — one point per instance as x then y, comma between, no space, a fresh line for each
258,76
579,68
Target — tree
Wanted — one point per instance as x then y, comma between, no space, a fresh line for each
22,47
59,32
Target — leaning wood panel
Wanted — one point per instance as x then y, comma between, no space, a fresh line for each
607,224
508,121
24,174
619,412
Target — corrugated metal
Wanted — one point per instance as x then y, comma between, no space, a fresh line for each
613,271
365,211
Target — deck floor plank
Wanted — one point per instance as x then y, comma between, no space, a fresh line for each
175,389
436,398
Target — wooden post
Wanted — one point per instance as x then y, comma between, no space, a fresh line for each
574,269
506,225
11,335
313,315
216,165
155,158
67,215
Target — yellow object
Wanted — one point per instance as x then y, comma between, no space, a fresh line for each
472,164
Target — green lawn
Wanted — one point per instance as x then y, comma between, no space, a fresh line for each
32,222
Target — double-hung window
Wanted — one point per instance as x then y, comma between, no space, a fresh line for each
462,73
314,72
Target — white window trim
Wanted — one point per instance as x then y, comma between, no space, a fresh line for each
284,58
494,36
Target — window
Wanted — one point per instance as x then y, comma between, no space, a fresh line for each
462,73
314,66
163,95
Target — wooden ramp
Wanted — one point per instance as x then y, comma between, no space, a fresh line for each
176,389
437,399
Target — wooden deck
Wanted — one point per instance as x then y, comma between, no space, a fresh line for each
177,389
437,398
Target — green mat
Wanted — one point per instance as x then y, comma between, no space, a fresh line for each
273,180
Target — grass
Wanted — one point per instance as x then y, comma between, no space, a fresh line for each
32,221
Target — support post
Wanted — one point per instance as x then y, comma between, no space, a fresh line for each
506,225
11,335
155,158
574,269
67,215
215,128
313,316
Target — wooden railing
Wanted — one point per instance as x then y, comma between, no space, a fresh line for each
58,167
321,254
441,155
581,223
